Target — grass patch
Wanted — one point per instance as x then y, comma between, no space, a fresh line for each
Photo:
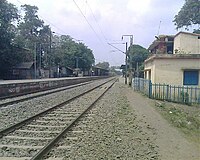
187,121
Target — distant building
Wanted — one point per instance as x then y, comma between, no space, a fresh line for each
162,45
180,68
23,70
66,71
98,71
61,71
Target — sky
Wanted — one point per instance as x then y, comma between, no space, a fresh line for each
99,22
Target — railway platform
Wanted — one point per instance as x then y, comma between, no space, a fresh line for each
20,87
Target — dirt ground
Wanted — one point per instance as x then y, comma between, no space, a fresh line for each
171,142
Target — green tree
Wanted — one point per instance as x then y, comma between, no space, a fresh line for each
136,57
29,27
64,51
86,59
197,31
33,34
67,52
8,15
188,15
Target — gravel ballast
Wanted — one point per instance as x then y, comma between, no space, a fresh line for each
26,141
111,132
14,113
125,125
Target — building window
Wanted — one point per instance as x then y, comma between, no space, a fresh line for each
190,77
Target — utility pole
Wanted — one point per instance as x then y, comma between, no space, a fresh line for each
130,64
76,62
40,56
137,70
35,60
126,67
131,38
126,59
50,54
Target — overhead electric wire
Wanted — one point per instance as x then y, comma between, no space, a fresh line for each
88,21
52,24
96,21
116,48
101,29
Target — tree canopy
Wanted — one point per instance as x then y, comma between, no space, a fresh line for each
137,55
8,15
31,30
188,15
67,52
25,35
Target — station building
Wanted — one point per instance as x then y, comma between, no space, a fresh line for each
180,67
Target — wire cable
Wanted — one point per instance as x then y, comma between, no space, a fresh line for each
116,48
46,20
96,21
88,22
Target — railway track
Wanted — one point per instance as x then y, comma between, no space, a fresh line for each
36,136
10,101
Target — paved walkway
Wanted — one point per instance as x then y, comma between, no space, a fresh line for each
171,142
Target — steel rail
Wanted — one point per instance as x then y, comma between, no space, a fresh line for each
43,94
9,129
52,143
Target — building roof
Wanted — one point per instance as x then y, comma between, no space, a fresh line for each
69,68
20,48
158,41
193,34
24,65
97,67
173,56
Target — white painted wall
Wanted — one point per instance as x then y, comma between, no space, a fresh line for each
187,43
170,70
